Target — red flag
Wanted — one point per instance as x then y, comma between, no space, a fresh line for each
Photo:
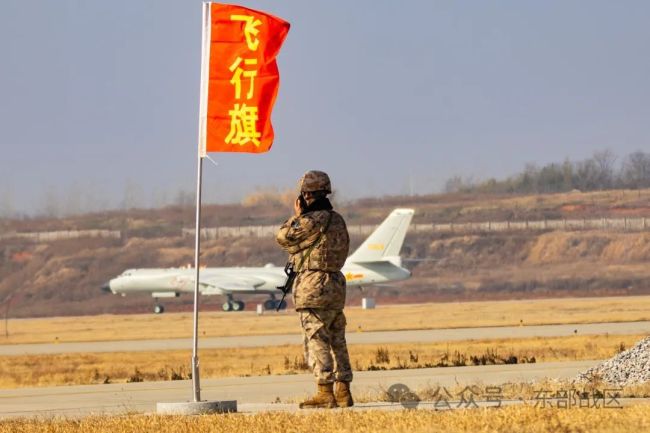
239,78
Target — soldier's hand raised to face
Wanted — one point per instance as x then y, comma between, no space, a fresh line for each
297,207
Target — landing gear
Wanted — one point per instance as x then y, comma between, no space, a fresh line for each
158,308
232,305
272,304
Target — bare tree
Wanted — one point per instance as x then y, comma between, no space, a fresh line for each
587,175
604,161
528,181
636,170
551,178
600,172
567,175
453,184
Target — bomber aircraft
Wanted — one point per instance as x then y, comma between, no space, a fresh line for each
377,260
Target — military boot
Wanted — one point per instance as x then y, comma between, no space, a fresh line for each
323,399
343,395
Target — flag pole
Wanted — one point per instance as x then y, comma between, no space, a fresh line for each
205,56
198,406
196,386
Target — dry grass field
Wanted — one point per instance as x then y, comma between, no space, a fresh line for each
477,207
92,368
528,392
513,419
393,317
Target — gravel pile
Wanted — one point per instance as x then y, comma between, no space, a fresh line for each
631,367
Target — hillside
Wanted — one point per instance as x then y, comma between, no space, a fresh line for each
62,277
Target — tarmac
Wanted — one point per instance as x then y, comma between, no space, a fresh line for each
374,337
269,393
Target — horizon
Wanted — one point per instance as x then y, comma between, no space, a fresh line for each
407,198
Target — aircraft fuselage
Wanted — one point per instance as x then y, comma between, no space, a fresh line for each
170,282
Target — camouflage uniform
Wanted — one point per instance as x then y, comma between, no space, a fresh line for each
324,331
319,288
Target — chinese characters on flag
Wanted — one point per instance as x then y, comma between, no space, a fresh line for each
239,79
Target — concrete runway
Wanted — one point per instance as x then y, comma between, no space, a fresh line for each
379,337
256,394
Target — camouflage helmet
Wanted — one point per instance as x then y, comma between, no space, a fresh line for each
315,180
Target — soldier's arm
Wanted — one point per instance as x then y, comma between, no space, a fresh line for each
297,233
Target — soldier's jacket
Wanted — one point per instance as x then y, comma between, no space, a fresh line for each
319,283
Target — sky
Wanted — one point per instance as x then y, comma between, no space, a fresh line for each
99,99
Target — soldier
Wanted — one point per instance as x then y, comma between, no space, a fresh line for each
317,241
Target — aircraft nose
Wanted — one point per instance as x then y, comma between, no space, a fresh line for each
106,287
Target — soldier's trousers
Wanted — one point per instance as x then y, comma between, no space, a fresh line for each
324,336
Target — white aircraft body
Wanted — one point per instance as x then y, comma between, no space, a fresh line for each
377,260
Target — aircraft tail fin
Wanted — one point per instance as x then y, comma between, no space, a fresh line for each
386,241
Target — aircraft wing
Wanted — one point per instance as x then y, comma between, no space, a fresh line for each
224,285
